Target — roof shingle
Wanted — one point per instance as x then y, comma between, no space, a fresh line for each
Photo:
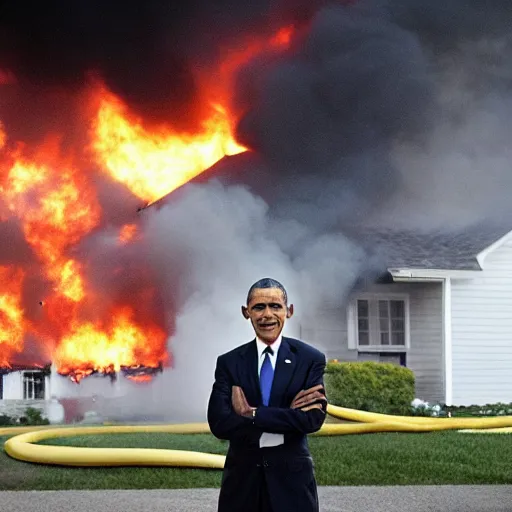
431,250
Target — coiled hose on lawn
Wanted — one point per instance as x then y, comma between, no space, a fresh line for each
23,446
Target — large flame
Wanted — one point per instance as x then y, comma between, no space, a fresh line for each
52,195
57,207
154,164
120,343
11,314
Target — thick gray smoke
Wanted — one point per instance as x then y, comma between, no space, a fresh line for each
382,113
380,118
378,102
210,245
391,113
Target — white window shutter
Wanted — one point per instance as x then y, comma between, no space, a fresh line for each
352,325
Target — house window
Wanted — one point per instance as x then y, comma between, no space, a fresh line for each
33,385
379,323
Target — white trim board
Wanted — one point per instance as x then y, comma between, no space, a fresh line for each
424,274
352,331
480,257
444,277
447,341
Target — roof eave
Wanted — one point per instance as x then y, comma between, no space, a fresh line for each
427,274
480,257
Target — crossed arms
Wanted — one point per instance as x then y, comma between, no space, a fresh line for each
231,417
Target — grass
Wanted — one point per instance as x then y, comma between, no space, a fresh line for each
375,459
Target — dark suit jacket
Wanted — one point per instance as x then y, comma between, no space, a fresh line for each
285,471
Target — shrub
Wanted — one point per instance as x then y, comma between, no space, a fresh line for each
6,420
33,417
496,409
368,386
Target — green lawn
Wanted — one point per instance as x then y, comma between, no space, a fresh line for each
374,459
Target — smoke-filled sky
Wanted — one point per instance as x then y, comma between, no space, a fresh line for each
381,113
377,99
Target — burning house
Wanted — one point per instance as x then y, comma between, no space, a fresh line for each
157,159
76,289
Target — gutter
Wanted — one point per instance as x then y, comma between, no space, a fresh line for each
427,274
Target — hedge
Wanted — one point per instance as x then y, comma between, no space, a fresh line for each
368,386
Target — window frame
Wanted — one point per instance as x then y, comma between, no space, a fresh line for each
24,383
353,321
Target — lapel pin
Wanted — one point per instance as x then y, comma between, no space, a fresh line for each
287,361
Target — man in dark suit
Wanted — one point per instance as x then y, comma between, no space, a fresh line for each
267,396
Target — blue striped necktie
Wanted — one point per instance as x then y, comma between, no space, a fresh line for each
266,376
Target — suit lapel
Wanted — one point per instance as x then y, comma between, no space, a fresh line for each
250,374
284,370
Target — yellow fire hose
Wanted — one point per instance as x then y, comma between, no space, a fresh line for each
23,447
414,423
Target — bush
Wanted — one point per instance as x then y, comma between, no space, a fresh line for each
367,386
6,420
33,417
497,409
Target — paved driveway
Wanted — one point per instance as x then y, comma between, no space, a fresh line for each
333,499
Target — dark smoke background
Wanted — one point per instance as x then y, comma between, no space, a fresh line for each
372,94
387,114
146,51
373,90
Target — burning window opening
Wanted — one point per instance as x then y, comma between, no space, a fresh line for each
136,373
141,373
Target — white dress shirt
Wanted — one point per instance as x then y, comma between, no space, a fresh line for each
267,439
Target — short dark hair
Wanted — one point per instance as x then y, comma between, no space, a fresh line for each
267,282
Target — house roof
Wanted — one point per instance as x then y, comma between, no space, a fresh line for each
24,367
455,250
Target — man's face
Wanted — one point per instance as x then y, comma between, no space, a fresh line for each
267,311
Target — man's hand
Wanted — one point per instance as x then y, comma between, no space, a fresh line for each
314,406
239,402
306,399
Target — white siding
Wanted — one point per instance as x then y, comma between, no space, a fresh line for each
425,357
328,332
482,332
13,386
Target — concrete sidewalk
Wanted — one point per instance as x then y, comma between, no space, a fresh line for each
332,499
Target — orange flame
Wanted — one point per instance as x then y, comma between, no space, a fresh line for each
140,378
57,207
153,164
283,36
218,85
55,202
120,343
54,199
3,136
127,233
11,314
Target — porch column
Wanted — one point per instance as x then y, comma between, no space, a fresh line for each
447,340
